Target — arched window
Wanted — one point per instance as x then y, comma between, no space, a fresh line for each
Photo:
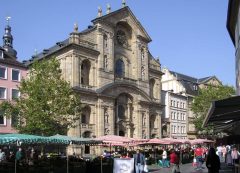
119,68
85,72
105,62
85,117
121,112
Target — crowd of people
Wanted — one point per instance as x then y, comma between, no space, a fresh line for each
166,157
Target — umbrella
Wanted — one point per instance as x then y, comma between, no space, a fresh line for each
76,140
30,139
155,141
200,141
176,141
114,139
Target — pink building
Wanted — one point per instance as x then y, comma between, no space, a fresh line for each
11,73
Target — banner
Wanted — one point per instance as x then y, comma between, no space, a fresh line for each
123,165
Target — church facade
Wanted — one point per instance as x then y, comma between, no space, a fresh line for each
118,80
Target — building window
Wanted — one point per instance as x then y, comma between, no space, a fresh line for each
105,41
195,88
83,119
85,72
15,93
174,103
175,115
15,75
183,106
3,73
121,112
3,93
119,69
180,104
171,103
2,118
177,104
105,62
178,116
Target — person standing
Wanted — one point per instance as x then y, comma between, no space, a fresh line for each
19,156
139,161
235,155
224,152
174,161
213,161
2,155
164,159
198,153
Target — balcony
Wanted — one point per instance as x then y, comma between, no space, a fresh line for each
87,127
88,87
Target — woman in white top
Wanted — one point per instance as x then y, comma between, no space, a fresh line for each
164,158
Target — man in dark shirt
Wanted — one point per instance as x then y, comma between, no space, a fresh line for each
139,161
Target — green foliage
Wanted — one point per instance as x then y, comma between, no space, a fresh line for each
202,102
47,104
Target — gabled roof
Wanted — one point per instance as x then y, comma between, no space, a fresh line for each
205,79
45,52
180,76
124,10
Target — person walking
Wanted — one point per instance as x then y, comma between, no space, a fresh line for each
213,161
2,155
174,162
139,161
224,153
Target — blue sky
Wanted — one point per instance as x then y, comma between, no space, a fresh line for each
189,36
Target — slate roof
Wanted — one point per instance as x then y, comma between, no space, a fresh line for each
190,83
58,46
9,60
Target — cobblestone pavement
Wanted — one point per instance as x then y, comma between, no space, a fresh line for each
188,168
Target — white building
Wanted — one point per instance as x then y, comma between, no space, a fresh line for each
177,96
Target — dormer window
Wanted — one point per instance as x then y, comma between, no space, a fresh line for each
195,87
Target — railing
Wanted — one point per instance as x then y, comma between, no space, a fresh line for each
125,79
87,87
87,126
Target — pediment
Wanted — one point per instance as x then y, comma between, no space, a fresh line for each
124,15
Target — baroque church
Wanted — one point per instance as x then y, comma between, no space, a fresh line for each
118,80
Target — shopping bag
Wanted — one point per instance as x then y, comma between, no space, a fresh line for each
194,162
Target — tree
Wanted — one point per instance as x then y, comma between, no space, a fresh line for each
47,104
202,102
